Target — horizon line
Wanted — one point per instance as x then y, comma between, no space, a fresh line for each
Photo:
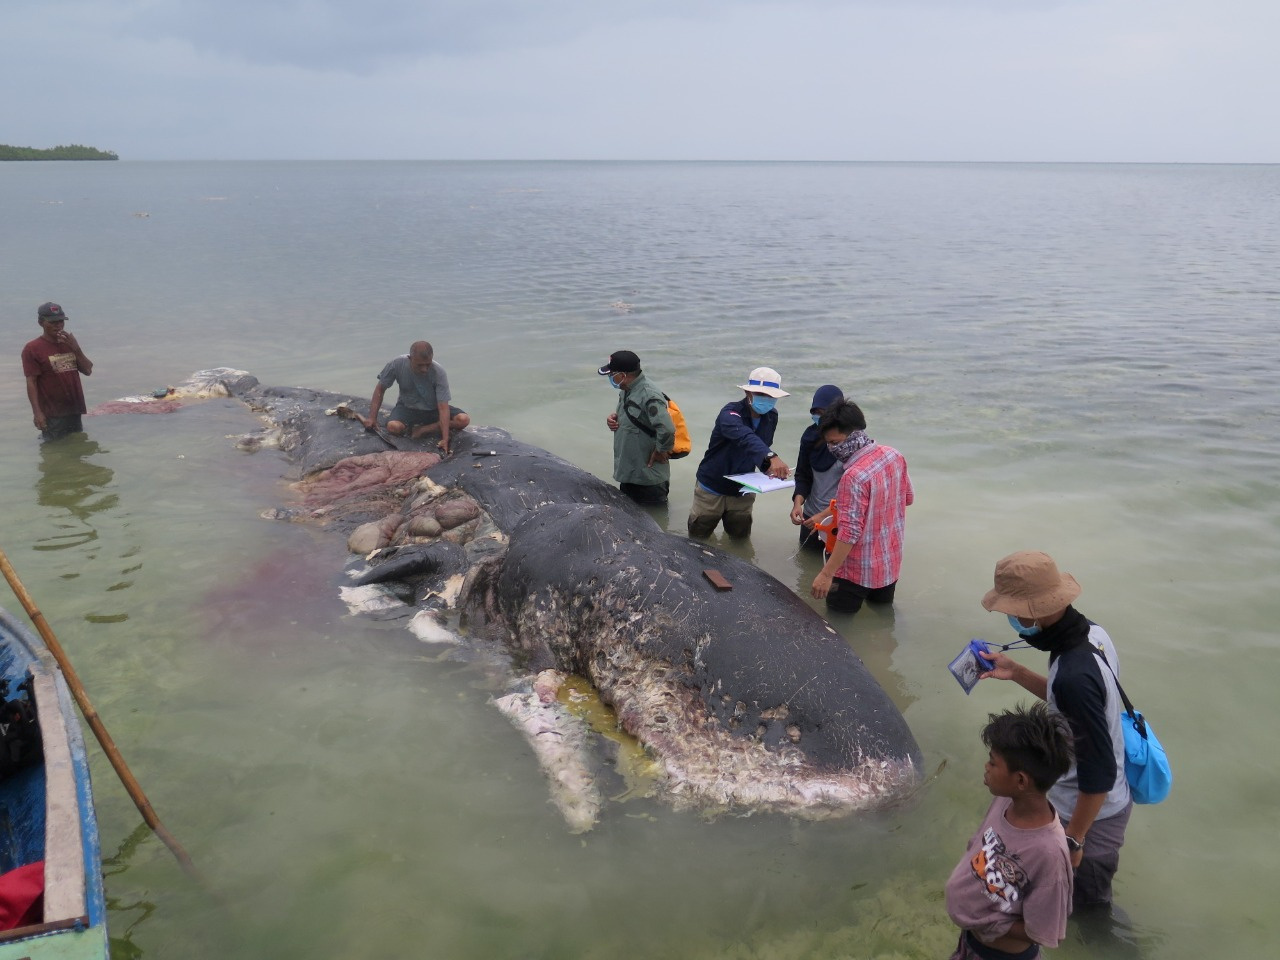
673,160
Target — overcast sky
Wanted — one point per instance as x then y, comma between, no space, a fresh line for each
1106,80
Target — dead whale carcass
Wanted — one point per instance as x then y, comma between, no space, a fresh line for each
747,700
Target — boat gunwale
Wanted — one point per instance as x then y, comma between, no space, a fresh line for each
43,929
70,817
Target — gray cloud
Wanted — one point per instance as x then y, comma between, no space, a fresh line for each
645,79
367,36
362,36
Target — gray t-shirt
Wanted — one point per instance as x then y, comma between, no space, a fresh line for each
1008,873
417,391
825,484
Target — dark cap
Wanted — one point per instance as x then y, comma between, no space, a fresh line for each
826,397
624,361
50,311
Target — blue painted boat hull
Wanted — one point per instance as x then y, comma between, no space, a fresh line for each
47,813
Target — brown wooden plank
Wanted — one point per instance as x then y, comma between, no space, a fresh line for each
717,579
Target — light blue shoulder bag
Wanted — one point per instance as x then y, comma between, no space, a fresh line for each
1146,766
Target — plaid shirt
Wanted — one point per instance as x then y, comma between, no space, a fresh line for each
871,510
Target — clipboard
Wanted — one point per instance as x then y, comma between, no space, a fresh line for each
757,482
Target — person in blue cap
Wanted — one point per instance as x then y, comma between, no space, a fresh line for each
817,471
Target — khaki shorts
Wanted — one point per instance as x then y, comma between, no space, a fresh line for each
709,509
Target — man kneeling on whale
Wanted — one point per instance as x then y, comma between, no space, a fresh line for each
423,406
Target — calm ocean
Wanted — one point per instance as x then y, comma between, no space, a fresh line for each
1074,358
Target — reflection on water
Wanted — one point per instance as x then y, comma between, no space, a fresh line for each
1109,932
742,547
661,513
125,916
72,487
872,634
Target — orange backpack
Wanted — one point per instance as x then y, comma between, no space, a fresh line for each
682,444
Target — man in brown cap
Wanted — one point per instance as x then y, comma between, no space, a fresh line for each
1092,799
53,363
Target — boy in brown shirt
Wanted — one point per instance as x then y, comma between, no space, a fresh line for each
1011,893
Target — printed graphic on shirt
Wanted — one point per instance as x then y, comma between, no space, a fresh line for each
1002,876
63,362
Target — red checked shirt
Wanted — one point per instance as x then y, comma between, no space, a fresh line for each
871,510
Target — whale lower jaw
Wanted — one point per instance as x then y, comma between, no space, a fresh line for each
703,766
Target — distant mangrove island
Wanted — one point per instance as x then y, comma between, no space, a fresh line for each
73,151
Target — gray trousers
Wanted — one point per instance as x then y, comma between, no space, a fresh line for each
1092,886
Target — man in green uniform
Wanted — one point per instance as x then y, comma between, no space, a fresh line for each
643,434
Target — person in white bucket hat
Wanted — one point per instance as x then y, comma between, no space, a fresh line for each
741,441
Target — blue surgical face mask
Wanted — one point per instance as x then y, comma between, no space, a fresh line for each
613,383
1020,630
761,404
816,418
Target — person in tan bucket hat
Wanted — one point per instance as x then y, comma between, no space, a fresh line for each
1092,799
1028,585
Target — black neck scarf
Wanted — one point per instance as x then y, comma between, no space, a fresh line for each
1067,634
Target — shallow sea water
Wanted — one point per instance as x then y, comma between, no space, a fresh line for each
1073,358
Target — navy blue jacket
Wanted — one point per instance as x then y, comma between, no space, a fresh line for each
735,447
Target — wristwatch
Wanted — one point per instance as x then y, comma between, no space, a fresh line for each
1074,845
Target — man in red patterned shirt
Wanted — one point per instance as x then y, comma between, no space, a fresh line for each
871,512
